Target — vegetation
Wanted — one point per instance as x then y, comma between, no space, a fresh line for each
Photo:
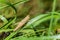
29,20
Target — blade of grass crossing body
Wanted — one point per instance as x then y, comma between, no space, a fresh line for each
52,14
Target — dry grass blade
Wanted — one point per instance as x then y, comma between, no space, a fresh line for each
21,23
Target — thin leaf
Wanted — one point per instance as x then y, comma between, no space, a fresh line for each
5,30
37,38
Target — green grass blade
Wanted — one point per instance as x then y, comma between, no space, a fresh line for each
6,26
5,21
36,19
37,38
5,30
52,16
